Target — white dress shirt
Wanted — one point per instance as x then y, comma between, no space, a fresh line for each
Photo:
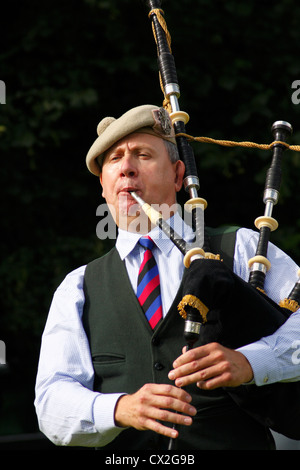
70,412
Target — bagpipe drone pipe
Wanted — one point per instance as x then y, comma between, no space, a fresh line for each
217,305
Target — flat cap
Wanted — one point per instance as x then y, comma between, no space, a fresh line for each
148,119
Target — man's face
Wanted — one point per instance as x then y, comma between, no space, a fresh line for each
140,163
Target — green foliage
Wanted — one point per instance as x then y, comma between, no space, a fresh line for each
67,64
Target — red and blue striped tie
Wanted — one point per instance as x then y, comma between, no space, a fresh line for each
148,288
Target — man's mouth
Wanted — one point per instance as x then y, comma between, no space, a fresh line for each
128,190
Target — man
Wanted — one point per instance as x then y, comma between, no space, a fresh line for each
106,378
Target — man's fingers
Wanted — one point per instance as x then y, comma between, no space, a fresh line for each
212,366
152,406
160,417
167,399
187,365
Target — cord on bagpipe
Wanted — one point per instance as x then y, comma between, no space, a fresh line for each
217,305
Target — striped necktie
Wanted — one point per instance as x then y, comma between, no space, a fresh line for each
148,288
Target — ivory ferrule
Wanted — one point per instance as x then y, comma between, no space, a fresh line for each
265,221
194,203
259,263
194,253
179,116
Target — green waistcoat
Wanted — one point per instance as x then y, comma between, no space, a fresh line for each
126,354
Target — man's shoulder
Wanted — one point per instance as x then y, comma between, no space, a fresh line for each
222,241
104,261
222,230
103,258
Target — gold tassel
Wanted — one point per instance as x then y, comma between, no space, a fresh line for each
289,304
194,302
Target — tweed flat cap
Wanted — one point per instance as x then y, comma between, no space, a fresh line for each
148,119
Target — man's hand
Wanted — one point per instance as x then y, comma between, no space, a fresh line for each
211,366
152,404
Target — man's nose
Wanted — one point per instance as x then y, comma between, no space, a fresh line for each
128,166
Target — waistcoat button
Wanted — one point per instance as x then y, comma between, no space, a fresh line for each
158,366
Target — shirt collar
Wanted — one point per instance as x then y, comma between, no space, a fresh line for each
127,241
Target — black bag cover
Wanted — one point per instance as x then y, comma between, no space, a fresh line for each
239,314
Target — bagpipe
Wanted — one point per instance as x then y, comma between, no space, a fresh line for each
217,305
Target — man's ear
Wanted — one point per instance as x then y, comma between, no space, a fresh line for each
100,179
179,174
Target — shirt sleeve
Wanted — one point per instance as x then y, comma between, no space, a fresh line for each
274,358
69,411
